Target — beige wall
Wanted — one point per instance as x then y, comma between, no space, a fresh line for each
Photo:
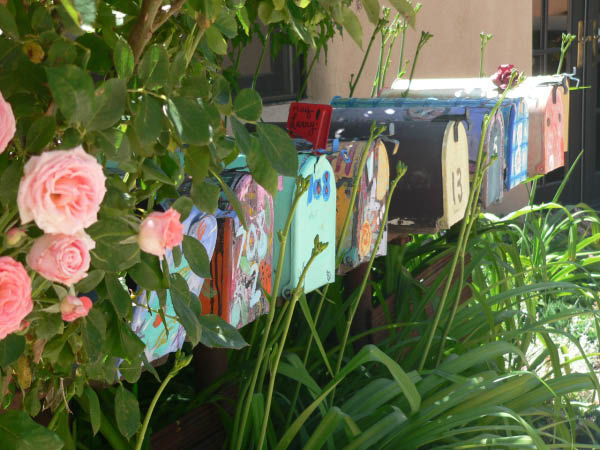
452,52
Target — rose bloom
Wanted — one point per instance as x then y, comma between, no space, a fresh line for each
61,191
62,258
502,76
7,123
159,231
72,307
15,295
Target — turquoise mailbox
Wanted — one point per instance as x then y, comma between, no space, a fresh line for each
315,215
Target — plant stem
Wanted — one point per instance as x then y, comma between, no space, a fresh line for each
180,363
338,252
400,65
388,60
317,249
400,172
567,39
260,59
425,36
379,66
301,188
362,65
463,228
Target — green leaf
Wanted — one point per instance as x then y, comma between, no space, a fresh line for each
94,412
154,67
242,15
117,295
152,171
19,432
221,93
278,148
242,136
40,133
109,104
9,183
196,256
352,25
218,333
248,105
215,40
11,347
177,69
93,333
127,412
197,160
205,196
183,205
7,23
73,92
234,201
148,120
261,168
32,402
131,370
86,11
123,59
111,254
302,3
190,120
48,325
180,297
405,8
226,23
372,8
93,279
147,272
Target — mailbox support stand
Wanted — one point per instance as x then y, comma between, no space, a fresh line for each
209,365
362,319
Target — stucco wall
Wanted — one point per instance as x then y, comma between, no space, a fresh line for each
452,52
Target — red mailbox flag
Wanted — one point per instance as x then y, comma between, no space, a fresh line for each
310,121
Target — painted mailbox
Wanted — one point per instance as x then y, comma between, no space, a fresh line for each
242,261
315,214
544,97
147,324
433,194
367,217
401,109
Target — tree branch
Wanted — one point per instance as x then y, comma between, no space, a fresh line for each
163,16
141,32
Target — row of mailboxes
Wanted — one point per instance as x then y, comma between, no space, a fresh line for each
546,98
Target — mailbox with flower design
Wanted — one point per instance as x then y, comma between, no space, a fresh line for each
242,261
366,219
315,215
433,194
147,323
401,109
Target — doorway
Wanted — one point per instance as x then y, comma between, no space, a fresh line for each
551,18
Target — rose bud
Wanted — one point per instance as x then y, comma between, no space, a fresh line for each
160,231
14,236
72,307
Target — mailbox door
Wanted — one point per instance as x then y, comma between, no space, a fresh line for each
315,215
367,216
455,170
546,141
493,187
243,260
282,205
148,325
518,130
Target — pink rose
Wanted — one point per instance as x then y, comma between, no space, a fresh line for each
15,295
61,191
159,231
7,123
62,258
14,236
502,76
72,307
